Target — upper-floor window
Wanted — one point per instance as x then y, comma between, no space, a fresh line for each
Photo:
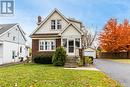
56,24
53,24
8,34
14,38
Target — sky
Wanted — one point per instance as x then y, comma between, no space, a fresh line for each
93,13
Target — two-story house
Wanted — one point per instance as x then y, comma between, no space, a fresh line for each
54,31
12,43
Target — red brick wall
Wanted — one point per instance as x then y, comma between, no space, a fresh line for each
58,42
35,48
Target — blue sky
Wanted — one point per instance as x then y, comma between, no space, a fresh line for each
90,12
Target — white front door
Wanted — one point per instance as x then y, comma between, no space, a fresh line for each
71,47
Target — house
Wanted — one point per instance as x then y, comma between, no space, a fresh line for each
54,31
12,43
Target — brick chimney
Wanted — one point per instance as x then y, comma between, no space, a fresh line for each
39,20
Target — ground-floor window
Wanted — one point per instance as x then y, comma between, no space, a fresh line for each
64,42
77,42
47,45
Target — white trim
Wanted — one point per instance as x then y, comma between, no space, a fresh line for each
55,10
50,49
8,30
67,48
20,29
73,26
46,38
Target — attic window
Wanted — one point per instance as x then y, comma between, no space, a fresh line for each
58,24
53,23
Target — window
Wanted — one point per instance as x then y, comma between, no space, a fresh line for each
13,54
47,45
52,45
8,34
64,43
58,24
53,24
21,49
42,45
77,42
14,38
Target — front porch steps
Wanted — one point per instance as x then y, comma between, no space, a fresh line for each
71,62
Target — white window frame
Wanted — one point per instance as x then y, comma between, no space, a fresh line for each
53,24
56,24
49,45
60,24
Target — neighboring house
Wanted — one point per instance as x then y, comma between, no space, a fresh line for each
12,43
54,31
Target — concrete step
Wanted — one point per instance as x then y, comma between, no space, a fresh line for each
70,65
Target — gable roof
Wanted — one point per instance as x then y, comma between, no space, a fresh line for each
74,20
5,27
55,10
70,24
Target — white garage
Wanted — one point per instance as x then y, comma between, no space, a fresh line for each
90,52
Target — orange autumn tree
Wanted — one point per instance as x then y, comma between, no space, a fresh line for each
115,37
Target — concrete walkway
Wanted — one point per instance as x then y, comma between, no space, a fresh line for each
84,68
117,71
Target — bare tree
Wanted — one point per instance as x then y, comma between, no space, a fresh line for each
88,38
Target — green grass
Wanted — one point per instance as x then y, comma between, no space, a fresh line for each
121,60
32,75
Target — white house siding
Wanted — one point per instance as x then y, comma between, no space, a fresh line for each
71,33
13,32
77,24
1,53
46,27
10,45
8,48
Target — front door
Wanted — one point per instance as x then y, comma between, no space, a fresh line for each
71,47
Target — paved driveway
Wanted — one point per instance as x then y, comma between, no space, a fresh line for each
117,71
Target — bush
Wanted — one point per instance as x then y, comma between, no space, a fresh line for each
41,59
59,57
89,60
80,62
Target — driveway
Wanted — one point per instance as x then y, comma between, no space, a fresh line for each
117,71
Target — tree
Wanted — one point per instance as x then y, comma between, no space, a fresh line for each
59,57
115,37
88,38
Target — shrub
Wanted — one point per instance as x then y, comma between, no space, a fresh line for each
89,60
41,59
59,57
80,62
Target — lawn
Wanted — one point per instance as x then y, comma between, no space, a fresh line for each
121,60
32,75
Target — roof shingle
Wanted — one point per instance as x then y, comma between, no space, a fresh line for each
5,27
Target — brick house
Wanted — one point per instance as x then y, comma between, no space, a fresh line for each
54,31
